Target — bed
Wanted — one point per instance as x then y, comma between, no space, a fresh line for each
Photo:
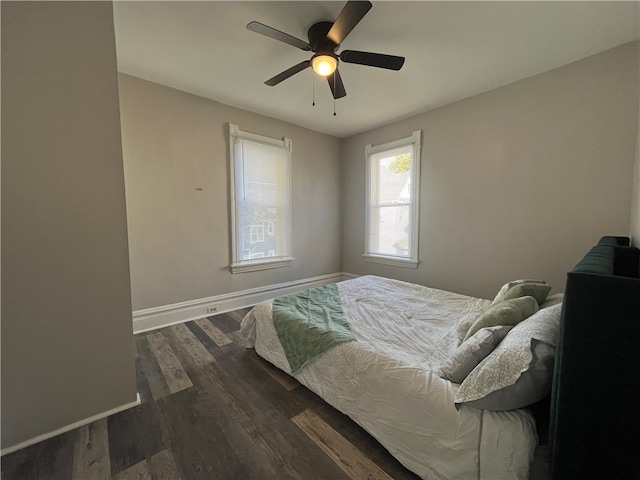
389,378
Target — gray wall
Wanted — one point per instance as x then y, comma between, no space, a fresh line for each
176,157
67,344
516,182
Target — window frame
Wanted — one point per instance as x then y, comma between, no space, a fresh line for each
411,260
238,264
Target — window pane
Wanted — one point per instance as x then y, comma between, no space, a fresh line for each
390,234
262,200
394,177
390,202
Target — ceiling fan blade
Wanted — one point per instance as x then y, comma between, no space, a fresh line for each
348,18
380,60
289,72
336,85
271,32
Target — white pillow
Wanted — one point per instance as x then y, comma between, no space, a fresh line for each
520,369
471,352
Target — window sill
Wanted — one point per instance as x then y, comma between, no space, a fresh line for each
254,266
394,261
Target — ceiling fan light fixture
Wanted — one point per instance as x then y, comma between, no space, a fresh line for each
324,65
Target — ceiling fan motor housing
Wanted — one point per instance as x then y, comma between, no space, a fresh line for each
318,37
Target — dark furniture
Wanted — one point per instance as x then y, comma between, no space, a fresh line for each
595,400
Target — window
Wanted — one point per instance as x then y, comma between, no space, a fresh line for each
256,233
260,195
393,177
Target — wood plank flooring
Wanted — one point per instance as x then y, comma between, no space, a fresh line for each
210,409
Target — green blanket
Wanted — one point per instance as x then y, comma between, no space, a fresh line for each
309,323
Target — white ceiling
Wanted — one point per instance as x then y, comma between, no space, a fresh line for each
453,50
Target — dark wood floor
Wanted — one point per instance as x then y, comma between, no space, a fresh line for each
212,409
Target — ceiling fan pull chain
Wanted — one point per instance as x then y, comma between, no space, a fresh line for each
313,88
335,74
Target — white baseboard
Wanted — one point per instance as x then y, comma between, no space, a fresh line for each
349,276
67,428
158,317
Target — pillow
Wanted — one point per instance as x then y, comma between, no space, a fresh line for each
500,296
539,291
510,284
552,300
470,353
509,312
519,371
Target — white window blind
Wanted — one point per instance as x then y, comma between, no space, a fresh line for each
261,201
393,173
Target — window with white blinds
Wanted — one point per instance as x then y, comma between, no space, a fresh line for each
261,201
393,178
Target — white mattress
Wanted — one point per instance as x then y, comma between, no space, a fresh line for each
385,381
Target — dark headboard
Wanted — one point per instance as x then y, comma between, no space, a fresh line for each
595,400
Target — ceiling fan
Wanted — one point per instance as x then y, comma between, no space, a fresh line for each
324,39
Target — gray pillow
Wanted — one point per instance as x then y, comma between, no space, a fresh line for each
508,312
552,300
539,291
500,295
519,371
471,352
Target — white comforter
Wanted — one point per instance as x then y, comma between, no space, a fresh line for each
387,381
